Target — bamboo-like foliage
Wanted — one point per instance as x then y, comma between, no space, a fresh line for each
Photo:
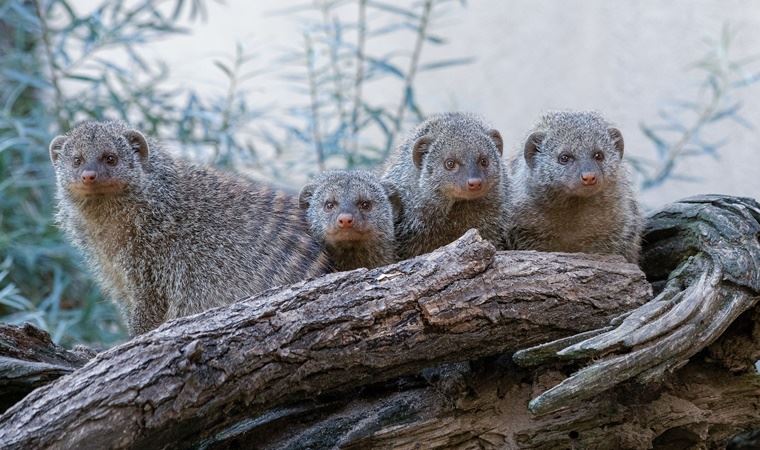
337,66
61,64
680,132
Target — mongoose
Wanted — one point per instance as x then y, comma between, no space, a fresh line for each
167,238
569,192
352,214
448,172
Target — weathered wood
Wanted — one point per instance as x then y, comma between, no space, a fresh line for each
29,359
194,376
745,441
701,406
711,398
335,362
708,250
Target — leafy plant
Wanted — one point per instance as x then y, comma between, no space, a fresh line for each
334,69
683,123
53,74
61,66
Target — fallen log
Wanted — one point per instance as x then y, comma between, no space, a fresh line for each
195,376
335,362
714,395
29,359
701,406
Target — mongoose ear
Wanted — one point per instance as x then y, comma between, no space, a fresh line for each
138,142
304,198
617,139
55,147
531,146
496,137
421,146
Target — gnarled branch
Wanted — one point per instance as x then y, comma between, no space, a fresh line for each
708,247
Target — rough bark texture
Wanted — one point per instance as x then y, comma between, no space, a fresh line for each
364,359
29,359
192,377
699,407
704,252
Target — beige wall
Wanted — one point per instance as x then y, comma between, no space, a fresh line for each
623,58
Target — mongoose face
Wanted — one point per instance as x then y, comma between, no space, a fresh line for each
574,153
349,208
460,158
96,160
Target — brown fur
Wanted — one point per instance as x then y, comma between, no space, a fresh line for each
174,239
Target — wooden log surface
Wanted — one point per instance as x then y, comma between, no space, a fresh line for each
195,376
704,253
29,359
420,354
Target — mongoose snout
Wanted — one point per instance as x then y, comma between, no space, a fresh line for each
474,184
89,176
588,178
345,220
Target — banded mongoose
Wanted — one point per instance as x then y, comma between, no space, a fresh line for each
167,238
448,172
569,192
351,213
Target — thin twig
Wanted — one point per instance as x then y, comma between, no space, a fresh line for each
63,124
358,81
229,99
311,71
411,73
336,75
677,148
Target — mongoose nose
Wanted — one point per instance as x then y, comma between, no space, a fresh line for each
474,184
588,178
345,220
89,176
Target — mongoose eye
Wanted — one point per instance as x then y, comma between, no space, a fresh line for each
329,205
110,160
449,164
599,156
77,161
365,205
564,158
484,162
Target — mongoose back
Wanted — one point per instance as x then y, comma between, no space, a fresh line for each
569,192
351,213
448,172
167,238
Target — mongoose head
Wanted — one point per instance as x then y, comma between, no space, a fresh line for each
97,160
346,208
458,157
573,153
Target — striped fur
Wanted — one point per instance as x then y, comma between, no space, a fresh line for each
180,238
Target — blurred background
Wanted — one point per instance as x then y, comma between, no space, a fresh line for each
282,90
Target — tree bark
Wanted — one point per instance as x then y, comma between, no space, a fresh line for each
194,376
704,253
29,359
420,354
